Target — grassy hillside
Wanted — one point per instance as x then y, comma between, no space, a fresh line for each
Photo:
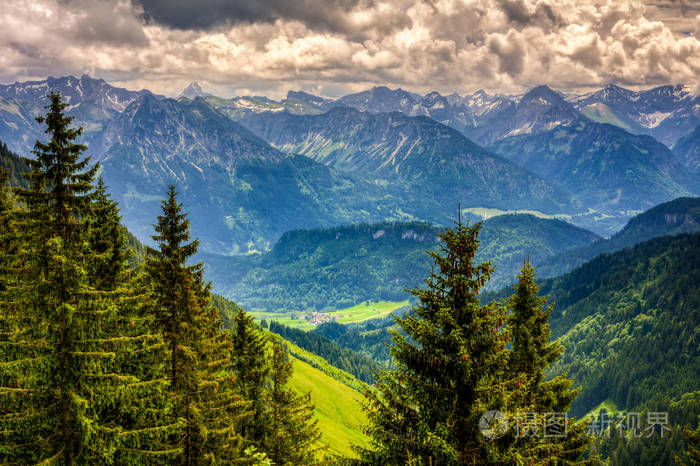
336,396
340,418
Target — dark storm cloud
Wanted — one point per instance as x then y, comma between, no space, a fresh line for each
510,50
204,14
543,14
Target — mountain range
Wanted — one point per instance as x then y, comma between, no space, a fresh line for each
377,155
92,102
415,152
667,112
240,192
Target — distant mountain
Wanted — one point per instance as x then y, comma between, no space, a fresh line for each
539,110
300,102
671,218
466,114
606,167
296,103
381,99
93,103
666,113
482,117
687,150
343,266
415,153
240,193
193,90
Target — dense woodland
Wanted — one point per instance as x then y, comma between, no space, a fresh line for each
115,353
107,362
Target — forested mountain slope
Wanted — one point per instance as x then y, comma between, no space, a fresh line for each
343,266
630,322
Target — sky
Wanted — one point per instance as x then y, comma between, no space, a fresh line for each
334,47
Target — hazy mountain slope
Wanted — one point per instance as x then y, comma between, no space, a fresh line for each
241,194
606,167
415,152
666,112
687,150
343,266
18,126
678,216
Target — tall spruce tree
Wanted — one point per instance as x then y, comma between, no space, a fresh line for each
63,389
250,367
292,430
198,356
9,241
112,257
532,354
449,368
8,234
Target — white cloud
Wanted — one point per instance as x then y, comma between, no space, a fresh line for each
498,45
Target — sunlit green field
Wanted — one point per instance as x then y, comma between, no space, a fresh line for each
367,310
359,312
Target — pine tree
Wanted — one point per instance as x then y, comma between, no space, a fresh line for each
198,356
8,234
532,354
292,430
62,387
9,243
112,258
250,367
449,368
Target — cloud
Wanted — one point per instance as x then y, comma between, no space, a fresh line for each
336,46
330,15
